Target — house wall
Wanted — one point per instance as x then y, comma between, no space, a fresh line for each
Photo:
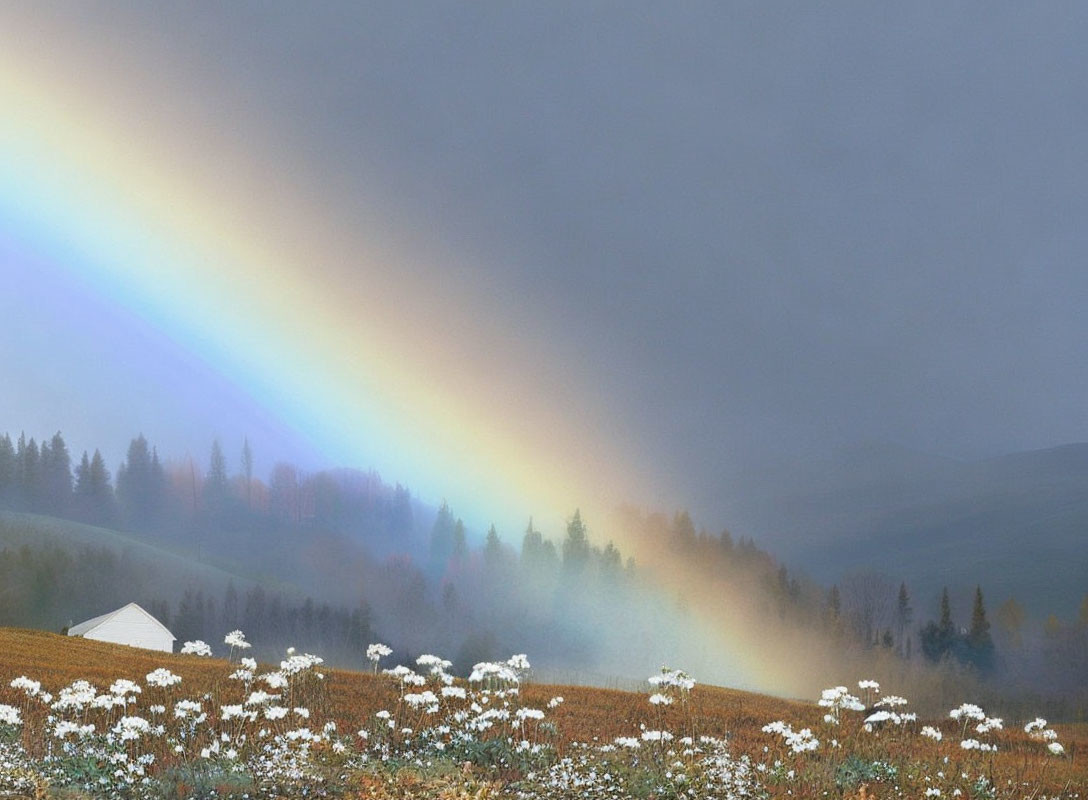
133,628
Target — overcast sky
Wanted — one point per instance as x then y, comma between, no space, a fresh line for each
746,228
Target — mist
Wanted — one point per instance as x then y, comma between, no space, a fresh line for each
746,232
532,260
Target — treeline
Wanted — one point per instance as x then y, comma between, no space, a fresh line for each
365,549
153,498
270,620
41,586
869,612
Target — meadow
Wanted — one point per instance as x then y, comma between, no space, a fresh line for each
87,719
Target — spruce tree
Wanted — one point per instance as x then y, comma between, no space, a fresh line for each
611,562
903,615
247,471
980,644
532,545
834,601
56,475
101,493
216,487
576,545
493,550
28,459
441,539
939,638
460,543
7,468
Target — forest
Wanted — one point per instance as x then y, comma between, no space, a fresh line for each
332,559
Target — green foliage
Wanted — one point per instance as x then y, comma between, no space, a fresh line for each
855,770
196,780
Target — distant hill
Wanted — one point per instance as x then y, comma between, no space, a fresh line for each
1017,524
171,570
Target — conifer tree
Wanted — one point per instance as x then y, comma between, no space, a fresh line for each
683,531
99,490
979,642
576,545
493,555
28,459
7,469
141,484
247,472
532,545
216,487
56,475
938,639
460,542
903,614
834,603
611,562
441,539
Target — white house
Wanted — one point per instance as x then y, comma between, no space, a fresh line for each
129,625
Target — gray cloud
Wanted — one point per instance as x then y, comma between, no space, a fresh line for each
751,228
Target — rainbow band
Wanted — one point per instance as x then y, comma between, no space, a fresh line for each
217,272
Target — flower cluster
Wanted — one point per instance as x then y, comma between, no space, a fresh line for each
837,700
802,741
376,652
197,648
1037,729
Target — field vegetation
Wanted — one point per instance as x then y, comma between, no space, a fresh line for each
86,719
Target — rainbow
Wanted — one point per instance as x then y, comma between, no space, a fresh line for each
338,336
320,327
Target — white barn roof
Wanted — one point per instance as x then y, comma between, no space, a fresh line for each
129,624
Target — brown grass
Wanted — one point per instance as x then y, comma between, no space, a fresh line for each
588,714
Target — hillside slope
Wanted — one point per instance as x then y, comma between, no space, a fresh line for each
582,729
1015,524
355,696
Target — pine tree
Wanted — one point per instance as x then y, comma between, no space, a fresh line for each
834,603
611,562
460,542
683,531
532,546
576,545
7,469
83,476
938,639
441,539
29,472
100,491
903,615
216,486
493,555
979,642
56,475
141,484
247,472
946,626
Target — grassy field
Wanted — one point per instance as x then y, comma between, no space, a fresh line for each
1020,767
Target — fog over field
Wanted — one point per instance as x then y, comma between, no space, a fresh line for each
725,232
731,331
